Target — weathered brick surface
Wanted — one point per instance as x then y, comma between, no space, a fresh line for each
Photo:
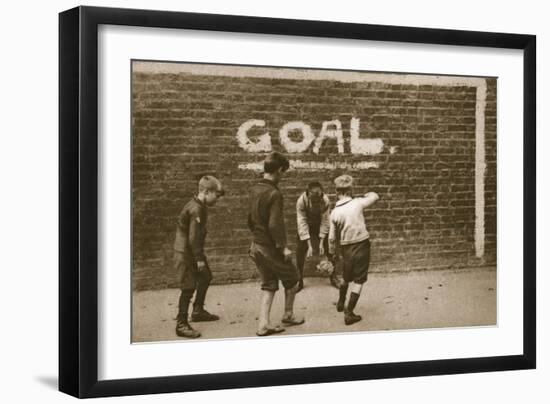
184,126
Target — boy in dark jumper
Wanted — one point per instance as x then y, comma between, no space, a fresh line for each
268,249
189,257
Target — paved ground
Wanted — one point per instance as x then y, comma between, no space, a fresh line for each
425,299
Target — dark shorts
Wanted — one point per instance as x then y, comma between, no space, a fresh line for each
273,267
189,274
356,259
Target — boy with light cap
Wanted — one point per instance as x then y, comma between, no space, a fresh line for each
189,257
348,229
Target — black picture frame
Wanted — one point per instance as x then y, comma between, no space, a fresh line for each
78,201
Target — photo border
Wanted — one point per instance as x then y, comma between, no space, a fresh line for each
78,201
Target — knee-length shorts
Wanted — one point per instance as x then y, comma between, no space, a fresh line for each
190,276
273,267
356,259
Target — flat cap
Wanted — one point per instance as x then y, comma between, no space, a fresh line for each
343,181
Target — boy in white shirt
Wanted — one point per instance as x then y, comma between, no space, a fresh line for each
348,229
312,219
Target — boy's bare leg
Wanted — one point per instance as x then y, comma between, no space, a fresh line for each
289,318
266,300
290,295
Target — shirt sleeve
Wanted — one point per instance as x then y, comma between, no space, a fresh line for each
277,222
367,200
325,218
179,243
181,220
301,219
196,236
332,236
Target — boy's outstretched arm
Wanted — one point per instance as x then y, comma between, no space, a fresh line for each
369,199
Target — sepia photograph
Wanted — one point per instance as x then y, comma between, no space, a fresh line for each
279,201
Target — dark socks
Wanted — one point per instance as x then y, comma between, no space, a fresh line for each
342,297
200,297
354,297
183,305
349,316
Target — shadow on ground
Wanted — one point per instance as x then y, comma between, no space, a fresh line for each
48,381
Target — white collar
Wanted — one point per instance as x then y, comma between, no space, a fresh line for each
344,200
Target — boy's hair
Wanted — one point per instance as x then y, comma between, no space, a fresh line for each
343,191
210,183
275,160
313,185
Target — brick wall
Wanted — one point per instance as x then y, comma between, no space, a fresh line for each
185,125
